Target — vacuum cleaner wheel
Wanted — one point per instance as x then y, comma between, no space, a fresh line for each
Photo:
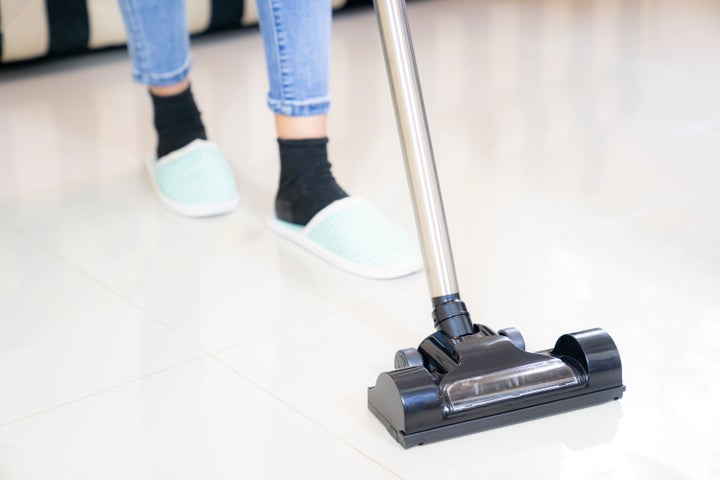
408,357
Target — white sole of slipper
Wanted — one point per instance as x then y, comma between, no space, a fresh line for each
297,236
184,210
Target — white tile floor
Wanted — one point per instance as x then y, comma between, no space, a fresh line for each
578,147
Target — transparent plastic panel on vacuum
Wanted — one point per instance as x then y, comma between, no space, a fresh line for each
512,383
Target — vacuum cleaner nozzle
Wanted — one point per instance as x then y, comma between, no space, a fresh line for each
453,386
464,377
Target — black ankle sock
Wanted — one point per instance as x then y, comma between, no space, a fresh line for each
177,121
306,183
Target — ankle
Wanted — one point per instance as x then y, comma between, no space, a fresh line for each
169,90
177,121
306,181
298,128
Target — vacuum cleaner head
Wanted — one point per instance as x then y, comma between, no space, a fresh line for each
465,377
452,386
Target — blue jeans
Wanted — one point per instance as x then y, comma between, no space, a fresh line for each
296,35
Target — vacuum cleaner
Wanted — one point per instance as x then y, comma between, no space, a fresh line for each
466,377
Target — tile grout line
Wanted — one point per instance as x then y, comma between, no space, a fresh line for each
312,319
109,289
315,319
206,354
314,422
107,389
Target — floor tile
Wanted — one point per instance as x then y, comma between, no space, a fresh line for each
59,124
63,335
200,420
576,144
664,365
219,281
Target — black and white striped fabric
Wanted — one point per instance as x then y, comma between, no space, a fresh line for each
38,28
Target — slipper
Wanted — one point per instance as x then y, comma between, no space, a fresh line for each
355,237
195,180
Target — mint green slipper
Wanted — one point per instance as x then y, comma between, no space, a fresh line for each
195,180
354,236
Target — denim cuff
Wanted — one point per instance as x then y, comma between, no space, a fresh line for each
305,108
164,79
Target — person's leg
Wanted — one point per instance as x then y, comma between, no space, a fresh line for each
190,175
311,208
295,128
176,117
159,46
297,48
158,40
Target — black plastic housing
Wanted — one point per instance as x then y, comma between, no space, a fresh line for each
415,405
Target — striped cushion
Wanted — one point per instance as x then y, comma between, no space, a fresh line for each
38,28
